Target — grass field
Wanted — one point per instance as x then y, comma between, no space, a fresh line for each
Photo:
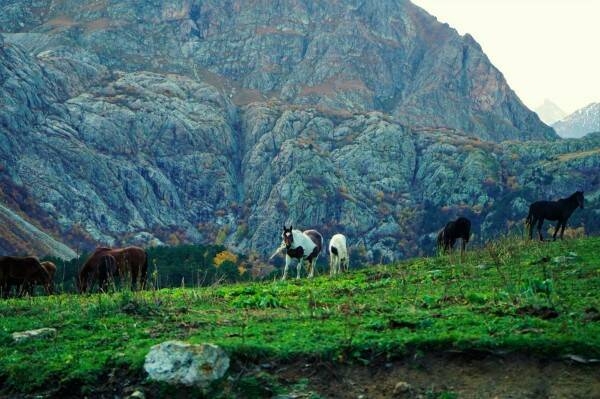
540,299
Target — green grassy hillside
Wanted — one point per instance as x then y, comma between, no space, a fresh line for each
512,295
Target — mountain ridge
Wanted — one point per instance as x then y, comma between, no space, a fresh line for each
581,122
364,56
139,156
549,112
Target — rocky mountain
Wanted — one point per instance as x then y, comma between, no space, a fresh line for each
579,123
550,112
203,121
352,55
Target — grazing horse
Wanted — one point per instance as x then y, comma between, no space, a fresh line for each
338,254
301,245
453,230
103,263
102,270
560,210
23,272
50,267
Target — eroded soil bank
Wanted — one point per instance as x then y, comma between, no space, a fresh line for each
458,375
435,375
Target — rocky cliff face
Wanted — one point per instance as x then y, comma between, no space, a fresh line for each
139,122
357,55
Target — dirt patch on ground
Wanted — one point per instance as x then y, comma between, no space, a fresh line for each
428,376
451,375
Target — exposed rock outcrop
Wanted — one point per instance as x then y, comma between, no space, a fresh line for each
389,56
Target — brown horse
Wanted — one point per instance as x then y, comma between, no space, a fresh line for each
50,267
104,263
102,270
23,272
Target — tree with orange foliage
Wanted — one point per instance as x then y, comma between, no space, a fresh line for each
224,256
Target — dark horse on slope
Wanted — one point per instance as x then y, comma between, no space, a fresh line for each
452,231
559,210
104,263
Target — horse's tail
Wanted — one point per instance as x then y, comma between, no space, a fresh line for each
144,273
529,218
323,249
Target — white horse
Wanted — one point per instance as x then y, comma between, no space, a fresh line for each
300,245
338,255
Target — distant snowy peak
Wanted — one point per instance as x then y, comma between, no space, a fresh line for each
550,112
579,123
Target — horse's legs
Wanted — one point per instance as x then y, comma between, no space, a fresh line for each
287,266
556,230
531,224
332,259
26,288
311,264
134,277
299,268
562,231
446,246
143,276
539,228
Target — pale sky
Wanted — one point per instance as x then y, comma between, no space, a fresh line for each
545,48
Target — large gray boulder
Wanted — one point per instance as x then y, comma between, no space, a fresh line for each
177,362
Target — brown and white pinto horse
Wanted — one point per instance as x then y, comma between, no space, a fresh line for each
301,245
23,272
104,263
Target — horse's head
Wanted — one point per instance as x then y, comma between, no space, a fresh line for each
288,236
579,196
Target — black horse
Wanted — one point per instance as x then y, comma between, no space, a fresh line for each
459,228
559,210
